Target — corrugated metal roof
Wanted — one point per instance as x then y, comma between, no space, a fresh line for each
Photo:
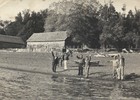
48,36
11,39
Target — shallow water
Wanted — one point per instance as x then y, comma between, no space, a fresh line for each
64,88
16,85
24,78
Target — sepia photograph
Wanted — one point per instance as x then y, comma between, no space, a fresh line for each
70,49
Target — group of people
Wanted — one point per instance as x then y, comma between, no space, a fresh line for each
84,63
118,67
61,57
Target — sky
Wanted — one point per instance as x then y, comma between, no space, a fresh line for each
10,8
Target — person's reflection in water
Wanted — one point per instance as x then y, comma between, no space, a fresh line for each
64,79
54,77
59,79
116,93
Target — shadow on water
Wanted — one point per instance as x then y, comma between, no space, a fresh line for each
94,64
98,65
88,89
131,76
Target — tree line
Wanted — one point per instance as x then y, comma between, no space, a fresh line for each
89,23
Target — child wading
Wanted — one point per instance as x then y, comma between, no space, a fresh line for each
120,69
65,60
115,65
81,62
87,65
55,60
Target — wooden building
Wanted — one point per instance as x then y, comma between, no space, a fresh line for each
7,41
44,42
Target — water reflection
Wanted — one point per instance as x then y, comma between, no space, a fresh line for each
54,77
88,89
116,92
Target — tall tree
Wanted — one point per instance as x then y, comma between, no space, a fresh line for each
26,16
137,28
19,18
50,21
108,19
38,22
27,30
13,28
84,25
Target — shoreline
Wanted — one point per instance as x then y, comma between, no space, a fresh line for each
61,74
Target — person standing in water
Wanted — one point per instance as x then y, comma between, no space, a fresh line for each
87,65
115,65
65,60
55,59
120,69
81,64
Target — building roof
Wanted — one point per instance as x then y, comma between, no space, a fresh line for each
11,39
48,36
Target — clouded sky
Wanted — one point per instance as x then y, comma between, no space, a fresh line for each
10,8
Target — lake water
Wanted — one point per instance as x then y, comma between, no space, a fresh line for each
68,88
16,85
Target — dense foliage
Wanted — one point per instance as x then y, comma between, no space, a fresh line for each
26,23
